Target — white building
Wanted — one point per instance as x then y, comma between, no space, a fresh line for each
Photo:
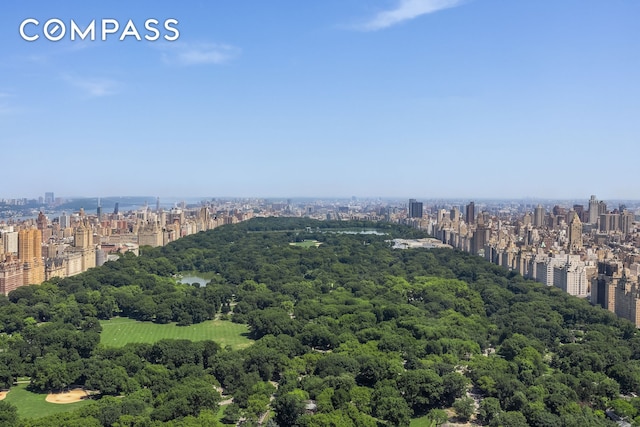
572,277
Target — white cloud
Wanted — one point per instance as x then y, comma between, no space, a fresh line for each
406,10
198,53
94,87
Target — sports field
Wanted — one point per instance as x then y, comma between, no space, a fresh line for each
33,405
120,331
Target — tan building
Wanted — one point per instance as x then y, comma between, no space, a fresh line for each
150,235
30,253
11,275
575,234
604,284
82,256
55,267
627,303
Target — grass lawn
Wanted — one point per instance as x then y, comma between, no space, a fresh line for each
33,405
121,330
422,422
307,244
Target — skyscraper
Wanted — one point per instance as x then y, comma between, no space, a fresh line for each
626,221
593,210
538,216
602,208
30,253
454,214
65,221
29,244
481,236
415,209
470,214
575,233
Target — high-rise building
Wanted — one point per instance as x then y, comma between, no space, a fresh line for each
609,222
30,253
603,286
11,275
83,248
538,216
29,244
42,223
571,277
454,215
415,209
575,233
593,210
626,221
150,235
64,220
480,237
82,237
602,208
48,198
10,241
470,213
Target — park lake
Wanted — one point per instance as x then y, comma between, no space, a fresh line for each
191,277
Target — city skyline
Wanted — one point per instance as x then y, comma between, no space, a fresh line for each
402,98
171,200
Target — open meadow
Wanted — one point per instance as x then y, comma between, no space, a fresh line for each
120,331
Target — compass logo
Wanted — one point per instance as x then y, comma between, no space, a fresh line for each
55,30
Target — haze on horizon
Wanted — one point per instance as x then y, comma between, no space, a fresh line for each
425,99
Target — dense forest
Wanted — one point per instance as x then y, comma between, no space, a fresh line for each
349,332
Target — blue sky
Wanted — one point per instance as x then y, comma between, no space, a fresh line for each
403,98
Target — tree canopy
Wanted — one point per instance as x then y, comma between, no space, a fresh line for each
351,332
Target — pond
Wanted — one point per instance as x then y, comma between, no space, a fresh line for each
192,277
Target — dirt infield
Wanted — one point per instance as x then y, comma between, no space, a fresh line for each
71,396
3,394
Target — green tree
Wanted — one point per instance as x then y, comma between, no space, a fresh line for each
8,415
288,408
422,389
510,419
438,416
489,409
50,373
231,414
464,408
187,398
